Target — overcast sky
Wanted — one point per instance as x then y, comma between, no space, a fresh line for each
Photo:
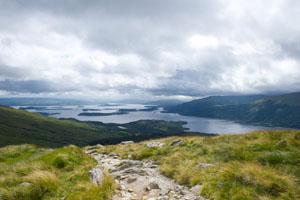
148,48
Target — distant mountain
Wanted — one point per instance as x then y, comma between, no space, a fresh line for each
40,102
165,103
281,110
205,106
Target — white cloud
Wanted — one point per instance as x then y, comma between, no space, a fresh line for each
203,42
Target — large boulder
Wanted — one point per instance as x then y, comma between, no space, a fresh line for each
153,186
96,176
155,144
281,143
176,142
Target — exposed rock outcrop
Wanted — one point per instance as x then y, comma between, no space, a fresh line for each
155,144
96,176
281,143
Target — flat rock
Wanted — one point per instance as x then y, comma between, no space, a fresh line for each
96,176
113,154
204,165
25,184
100,146
127,142
164,192
155,144
196,189
91,151
177,143
131,180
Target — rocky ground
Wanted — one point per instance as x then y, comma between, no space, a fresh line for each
142,180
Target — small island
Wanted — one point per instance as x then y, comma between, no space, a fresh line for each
90,109
149,108
101,114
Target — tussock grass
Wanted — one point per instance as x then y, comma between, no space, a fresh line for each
248,166
52,174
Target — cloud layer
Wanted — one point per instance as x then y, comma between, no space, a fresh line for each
143,49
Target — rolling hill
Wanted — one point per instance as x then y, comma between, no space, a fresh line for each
281,110
20,126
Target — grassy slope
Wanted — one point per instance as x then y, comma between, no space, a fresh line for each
291,99
53,174
248,166
19,126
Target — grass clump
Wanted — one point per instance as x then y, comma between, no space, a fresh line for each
248,166
49,174
59,162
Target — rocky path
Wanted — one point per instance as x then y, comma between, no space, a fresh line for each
142,180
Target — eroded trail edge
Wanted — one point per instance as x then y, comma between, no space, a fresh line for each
142,180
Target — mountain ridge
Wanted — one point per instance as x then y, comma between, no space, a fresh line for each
280,110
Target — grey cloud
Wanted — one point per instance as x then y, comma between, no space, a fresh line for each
251,37
32,86
10,72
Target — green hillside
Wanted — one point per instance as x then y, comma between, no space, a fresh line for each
282,110
20,126
291,99
260,165
51,174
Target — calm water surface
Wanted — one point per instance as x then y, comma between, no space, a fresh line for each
203,125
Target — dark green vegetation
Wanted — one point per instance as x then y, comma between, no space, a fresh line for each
51,174
282,110
260,165
39,102
20,126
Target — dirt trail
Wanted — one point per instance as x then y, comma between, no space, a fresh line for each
142,180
